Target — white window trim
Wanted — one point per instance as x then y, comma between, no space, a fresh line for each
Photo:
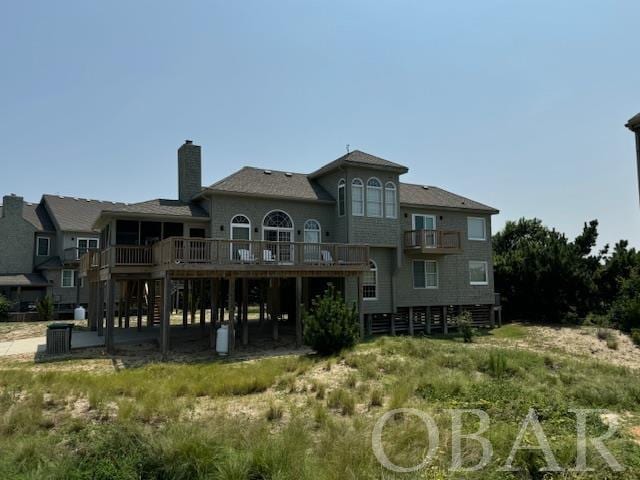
477,239
391,186
371,299
278,229
486,272
73,283
424,272
342,185
423,215
88,239
48,246
319,230
364,200
239,225
381,189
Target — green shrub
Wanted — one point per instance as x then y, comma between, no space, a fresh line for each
342,400
331,325
598,320
274,412
44,306
603,333
377,398
635,336
5,305
497,364
612,342
463,321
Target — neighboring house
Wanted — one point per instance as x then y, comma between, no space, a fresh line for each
40,248
409,256
634,125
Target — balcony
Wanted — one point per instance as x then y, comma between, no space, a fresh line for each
73,255
434,242
228,255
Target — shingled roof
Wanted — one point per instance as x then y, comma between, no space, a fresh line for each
429,196
36,215
634,122
77,214
161,206
272,183
358,158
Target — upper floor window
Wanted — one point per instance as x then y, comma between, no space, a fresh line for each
476,228
357,197
240,228
370,282
478,272
374,198
341,198
390,200
312,231
43,246
86,244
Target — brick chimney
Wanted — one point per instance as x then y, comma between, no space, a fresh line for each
12,206
189,171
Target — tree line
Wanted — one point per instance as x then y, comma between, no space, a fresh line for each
544,276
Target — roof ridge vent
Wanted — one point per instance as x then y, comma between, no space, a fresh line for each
60,196
288,174
267,172
426,187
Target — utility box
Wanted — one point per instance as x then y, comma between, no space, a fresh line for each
59,338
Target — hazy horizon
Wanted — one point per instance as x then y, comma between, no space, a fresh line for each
521,107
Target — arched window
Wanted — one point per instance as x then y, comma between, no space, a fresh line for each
370,282
357,197
311,231
240,232
374,198
341,198
390,200
240,228
277,226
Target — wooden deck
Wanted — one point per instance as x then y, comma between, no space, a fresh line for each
193,257
434,242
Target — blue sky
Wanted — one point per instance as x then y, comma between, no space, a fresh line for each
518,104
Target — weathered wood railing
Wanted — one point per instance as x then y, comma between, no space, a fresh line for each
446,239
192,251
256,252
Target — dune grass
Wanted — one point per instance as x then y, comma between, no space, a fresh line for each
144,426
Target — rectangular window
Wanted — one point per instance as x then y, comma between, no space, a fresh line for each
86,244
478,273
357,198
476,228
374,201
341,200
43,246
425,274
69,278
390,201
370,283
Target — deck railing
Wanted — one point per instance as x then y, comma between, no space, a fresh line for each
198,251
256,252
444,239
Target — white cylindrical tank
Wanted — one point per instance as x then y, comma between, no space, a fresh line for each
79,313
222,340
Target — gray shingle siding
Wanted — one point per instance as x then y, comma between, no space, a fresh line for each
17,237
384,260
454,287
224,207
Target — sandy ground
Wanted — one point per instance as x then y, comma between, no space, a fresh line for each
18,330
577,341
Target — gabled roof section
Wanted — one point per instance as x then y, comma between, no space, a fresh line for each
360,159
271,183
161,206
23,280
634,123
72,214
428,196
36,215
